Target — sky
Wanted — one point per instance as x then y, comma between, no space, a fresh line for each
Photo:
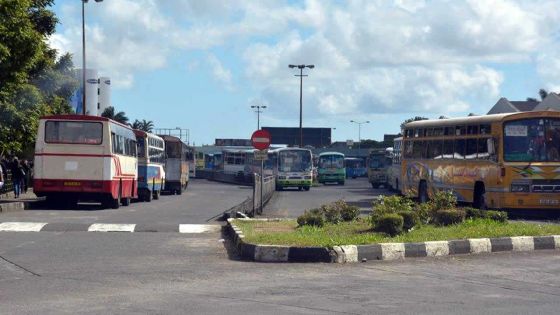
200,65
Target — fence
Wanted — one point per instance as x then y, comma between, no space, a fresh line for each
268,189
240,178
8,184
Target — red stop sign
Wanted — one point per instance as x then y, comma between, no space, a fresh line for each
260,139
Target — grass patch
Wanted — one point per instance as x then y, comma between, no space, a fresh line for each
359,232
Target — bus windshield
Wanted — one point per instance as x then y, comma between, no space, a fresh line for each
173,150
532,140
331,161
377,161
294,161
73,132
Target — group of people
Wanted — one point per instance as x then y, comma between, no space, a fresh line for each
20,171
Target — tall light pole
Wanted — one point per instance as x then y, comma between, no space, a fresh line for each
359,123
301,75
84,54
258,111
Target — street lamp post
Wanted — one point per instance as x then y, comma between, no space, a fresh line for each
84,54
258,111
359,123
301,75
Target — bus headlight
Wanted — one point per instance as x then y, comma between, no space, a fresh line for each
519,188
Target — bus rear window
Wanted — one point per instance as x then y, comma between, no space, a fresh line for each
73,132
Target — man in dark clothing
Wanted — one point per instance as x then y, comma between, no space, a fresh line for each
26,177
17,176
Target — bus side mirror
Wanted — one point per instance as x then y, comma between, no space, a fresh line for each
491,147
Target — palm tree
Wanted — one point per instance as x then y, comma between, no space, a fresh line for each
542,93
109,112
144,125
147,125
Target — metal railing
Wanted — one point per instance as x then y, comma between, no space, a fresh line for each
8,184
262,192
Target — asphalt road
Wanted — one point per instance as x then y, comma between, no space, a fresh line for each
198,273
168,273
202,201
292,203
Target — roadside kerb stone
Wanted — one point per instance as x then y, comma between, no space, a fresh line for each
12,206
522,243
387,251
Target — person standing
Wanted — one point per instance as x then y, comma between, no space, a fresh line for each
1,178
27,171
17,176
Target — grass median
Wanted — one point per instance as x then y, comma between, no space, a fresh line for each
360,232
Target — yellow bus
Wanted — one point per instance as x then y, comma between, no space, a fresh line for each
500,161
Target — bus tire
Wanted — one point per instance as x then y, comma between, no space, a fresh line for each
396,185
157,194
422,192
112,203
479,197
148,195
125,202
306,188
179,191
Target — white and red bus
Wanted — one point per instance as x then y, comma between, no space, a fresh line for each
86,158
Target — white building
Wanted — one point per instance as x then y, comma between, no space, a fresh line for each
98,93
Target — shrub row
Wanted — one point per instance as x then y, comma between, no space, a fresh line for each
333,213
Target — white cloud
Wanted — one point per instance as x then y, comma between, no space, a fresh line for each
220,73
370,56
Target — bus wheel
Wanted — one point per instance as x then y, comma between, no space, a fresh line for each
306,188
125,202
113,203
422,192
156,194
479,199
148,195
179,191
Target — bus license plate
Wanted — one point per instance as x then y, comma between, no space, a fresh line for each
549,202
72,184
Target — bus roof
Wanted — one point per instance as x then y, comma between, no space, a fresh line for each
478,119
331,153
169,138
84,118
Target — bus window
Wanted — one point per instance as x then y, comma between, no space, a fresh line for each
460,130
472,130
485,129
434,149
459,149
448,149
472,145
73,132
418,149
483,148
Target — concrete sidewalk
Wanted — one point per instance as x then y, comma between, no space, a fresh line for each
10,204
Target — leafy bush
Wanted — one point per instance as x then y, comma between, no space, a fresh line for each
473,213
444,200
331,213
347,212
390,223
410,219
499,216
389,205
449,217
311,217
425,212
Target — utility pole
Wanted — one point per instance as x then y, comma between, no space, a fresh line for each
359,123
258,111
301,75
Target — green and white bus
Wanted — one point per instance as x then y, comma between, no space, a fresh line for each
293,168
331,168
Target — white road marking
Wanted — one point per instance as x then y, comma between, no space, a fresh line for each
21,226
198,228
105,227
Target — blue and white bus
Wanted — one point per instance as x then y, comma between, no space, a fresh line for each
151,161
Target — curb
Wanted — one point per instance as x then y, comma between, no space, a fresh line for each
386,251
275,253
12,206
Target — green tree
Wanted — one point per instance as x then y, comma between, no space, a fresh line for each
33,82
110,113
411,120
144,125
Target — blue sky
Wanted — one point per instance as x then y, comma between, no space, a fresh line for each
201,64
